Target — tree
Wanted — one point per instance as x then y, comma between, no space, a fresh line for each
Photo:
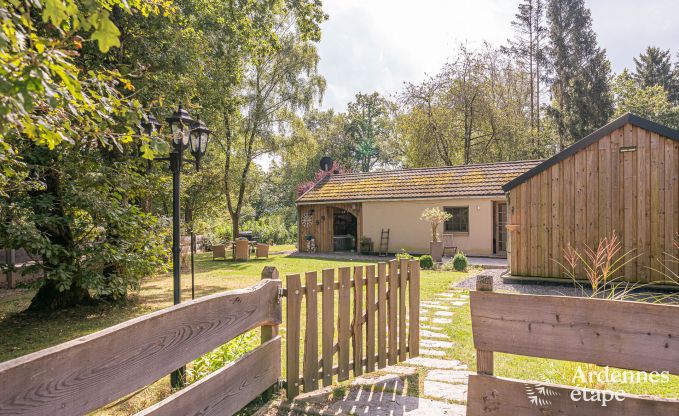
654,68
369,126
582,100
651,102
529,48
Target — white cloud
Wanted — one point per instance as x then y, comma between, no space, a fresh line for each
377,45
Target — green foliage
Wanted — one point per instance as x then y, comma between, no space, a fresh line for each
460,262
218,358
369,126
651,102
404,255
435,216
272,227
653,68
426,262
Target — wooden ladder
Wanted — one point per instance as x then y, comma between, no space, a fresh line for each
384,242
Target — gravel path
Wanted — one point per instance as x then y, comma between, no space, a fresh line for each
533,288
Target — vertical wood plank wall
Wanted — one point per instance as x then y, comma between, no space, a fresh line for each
363,304
322,228
585,197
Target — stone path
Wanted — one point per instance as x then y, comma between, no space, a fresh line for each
430,384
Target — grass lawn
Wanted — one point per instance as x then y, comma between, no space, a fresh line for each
24,333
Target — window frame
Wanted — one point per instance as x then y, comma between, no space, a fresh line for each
450,208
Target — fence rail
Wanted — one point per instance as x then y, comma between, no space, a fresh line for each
371,325
87,373
628,335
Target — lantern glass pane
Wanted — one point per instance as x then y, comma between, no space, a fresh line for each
194,142
185,136
176,134
203,142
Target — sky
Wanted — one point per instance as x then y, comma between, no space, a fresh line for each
378,45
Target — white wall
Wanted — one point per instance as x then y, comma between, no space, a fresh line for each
412,234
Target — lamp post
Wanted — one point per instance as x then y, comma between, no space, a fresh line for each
185,132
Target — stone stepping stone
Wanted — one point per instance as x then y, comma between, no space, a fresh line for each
391,382
431,328
447,294
445,308
464,296
433,353
448,376
430,302
440,320
443,313
428,343
375,403
455,392
430,334
399,369
435,363
459,303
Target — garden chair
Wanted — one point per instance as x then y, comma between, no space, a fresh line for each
218,250
448,244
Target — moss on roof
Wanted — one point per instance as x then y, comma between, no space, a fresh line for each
449,181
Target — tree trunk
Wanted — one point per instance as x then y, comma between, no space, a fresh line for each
235,229
50,298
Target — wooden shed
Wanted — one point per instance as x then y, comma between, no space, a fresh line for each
623,178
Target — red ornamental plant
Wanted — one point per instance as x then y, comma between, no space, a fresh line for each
336,168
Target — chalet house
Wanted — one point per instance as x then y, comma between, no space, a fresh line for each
344,209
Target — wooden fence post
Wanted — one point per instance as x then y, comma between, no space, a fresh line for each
293,331
269,332
414,287
484,359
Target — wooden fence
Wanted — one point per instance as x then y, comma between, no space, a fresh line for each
628,335
87,373
376,326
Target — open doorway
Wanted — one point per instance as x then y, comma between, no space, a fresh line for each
344,228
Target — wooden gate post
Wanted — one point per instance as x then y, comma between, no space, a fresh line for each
484,359
269,332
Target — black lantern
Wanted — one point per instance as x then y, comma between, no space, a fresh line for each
150,125
199,137
180,122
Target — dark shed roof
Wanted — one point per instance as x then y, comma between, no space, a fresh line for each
587,140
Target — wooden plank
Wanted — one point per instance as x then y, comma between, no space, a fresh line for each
592,192
370,318
269,332
580,201
643,203
568,239
402,311
506,397
514,236
293,333
357,332
556,211
671,203
227,390
546,226
629,186
392,312
534,212
617,191
84,374
381,315
603,332
604,201
526,228
328,322
414,309
343,323
484,357
310,368
657,208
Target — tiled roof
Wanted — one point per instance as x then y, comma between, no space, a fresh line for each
448,181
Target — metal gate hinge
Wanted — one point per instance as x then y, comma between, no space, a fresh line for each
282,292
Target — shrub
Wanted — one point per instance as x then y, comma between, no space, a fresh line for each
426,262
460,262
403,254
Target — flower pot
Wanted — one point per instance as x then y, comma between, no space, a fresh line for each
436,250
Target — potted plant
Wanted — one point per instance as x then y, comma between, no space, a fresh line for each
435,216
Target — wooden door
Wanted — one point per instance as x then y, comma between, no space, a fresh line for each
499,228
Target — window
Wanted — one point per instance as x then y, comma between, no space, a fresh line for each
460,221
